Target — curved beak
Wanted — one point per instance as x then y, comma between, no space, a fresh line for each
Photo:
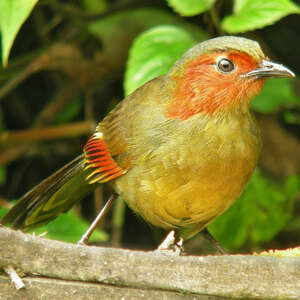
270,69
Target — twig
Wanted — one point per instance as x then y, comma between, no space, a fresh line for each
57,104
11,154
215,19
88,105
15,81
45,134
14,277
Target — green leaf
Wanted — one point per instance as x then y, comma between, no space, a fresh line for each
258,215
254,14
276,93
13,13
69,228
190,7
154,52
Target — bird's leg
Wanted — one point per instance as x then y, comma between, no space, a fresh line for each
213,241
171,245
84,239
168,242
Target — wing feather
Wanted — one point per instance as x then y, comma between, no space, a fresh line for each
98,158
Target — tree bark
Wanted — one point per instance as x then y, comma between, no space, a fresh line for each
88,270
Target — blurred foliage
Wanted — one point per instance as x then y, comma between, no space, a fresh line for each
276,94
82,49
252,219
93,6
70,112
67,227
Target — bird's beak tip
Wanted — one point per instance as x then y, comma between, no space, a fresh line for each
270,69
291,74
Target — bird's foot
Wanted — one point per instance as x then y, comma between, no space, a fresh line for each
170,245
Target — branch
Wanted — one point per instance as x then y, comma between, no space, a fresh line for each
49,289
7,138
235,276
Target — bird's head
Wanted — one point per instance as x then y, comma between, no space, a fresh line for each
223,73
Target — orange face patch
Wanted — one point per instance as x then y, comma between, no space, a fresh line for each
204,88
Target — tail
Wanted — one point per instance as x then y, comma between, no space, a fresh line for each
53,196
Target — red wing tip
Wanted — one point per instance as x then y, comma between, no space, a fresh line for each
98,157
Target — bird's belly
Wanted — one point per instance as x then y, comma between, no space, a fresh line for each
192,178
183,190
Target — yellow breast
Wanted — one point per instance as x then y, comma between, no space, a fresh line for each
194,176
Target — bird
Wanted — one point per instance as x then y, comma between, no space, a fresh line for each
179,150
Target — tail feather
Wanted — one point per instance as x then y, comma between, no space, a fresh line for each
53,196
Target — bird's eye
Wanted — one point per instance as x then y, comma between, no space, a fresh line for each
225,65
